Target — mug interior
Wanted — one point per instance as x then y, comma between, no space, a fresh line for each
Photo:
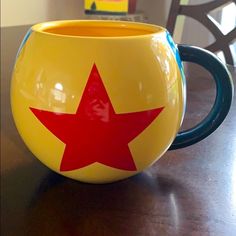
90,28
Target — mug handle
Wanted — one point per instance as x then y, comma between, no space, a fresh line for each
223,100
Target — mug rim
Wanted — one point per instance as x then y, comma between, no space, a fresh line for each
150,29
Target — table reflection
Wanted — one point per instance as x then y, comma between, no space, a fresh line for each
64,207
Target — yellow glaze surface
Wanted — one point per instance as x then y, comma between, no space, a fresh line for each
138,70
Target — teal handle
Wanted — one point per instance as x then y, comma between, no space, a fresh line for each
223,100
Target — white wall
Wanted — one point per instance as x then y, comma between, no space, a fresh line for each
26,12
156,10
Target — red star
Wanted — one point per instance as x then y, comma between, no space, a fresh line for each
95,133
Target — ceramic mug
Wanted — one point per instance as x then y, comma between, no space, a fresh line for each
99,101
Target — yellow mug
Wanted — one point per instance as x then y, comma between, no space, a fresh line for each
99,101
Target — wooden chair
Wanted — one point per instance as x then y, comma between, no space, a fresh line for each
200,13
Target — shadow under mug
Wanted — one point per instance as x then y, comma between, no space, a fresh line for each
99,101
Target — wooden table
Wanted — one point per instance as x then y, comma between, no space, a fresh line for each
189,192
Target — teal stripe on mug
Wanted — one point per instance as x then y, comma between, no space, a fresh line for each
24,41
176,54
